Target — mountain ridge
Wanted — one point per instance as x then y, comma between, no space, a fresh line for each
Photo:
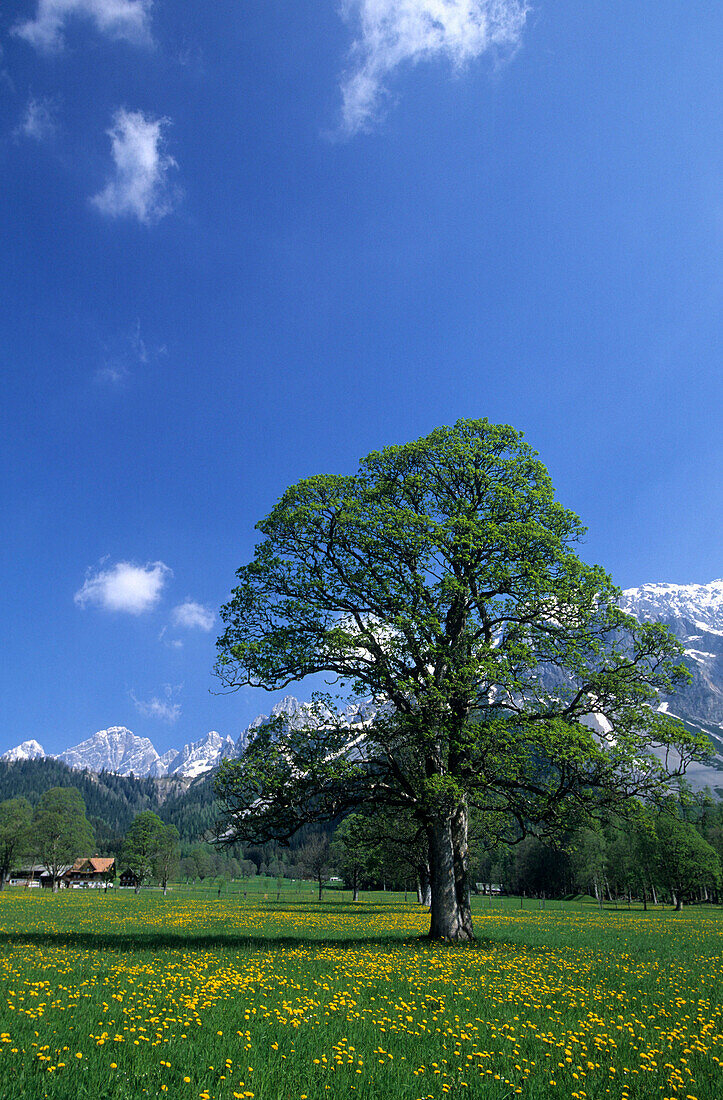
693,612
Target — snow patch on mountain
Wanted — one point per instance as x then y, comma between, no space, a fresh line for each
200,756
699,604
28,750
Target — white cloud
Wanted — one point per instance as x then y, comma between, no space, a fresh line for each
128,19
165,709
38,120
398,32
124,587
139,186
193,616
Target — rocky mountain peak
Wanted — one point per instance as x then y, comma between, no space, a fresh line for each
28,750
699,604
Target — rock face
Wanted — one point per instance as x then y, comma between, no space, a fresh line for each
119,750
201,756
694,613
697,605
29,750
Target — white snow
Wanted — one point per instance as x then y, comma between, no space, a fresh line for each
701,604
28,750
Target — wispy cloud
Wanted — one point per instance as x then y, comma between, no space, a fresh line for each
123,355
392,33
171,643
5,77
165,708
139,186
127,19
193,616
124,587
112,374
38,121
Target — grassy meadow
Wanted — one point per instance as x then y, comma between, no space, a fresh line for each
192,996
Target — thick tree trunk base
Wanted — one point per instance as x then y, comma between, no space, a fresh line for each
455,932
451,911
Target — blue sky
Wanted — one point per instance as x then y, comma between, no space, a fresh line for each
248,242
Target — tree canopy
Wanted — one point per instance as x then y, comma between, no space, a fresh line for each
441,580
15,818
60,830
143,844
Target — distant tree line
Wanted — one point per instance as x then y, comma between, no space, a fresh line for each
670,855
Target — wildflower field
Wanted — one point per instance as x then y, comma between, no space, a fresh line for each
113,995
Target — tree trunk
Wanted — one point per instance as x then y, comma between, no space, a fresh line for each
355,884
460,830
321,886
678,903
138,887
450,920
2,880
165,889
424,889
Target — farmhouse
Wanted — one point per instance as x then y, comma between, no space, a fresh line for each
28,876
92,871
86,871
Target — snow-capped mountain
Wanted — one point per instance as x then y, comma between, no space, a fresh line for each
698,604
694,613
119,750
115,750
201,756
29,750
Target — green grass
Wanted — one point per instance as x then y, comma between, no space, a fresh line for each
118,996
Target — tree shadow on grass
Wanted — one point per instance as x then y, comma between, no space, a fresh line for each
181,941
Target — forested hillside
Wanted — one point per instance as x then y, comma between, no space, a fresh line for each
111,801
191,810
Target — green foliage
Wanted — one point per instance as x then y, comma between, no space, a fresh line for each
442,579
193,810
60,831
111,800
686,862
15,818
166,859
142,846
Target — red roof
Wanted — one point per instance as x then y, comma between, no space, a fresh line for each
98,864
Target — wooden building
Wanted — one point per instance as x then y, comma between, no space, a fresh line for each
91,871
